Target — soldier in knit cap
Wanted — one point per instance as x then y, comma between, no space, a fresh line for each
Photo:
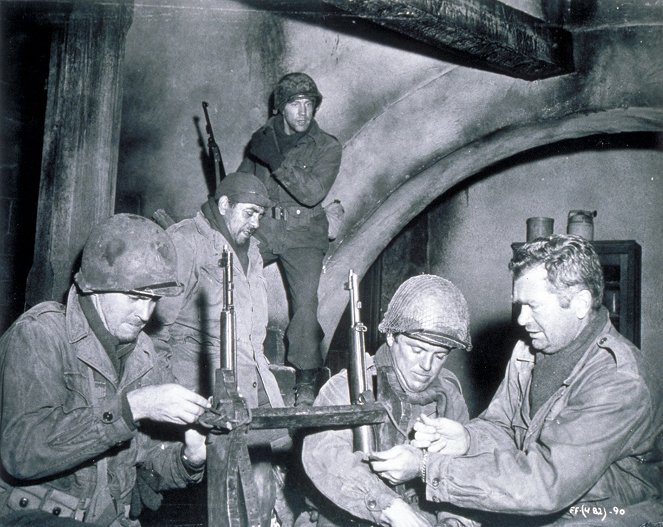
188,326
298,163
427,319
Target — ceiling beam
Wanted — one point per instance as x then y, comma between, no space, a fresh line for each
487,33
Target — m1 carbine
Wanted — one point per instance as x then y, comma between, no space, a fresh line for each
360,394
214,152
232,497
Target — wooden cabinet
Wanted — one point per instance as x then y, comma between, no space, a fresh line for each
621,260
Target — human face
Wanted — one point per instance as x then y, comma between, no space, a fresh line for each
550,326
124,314
417,363
242,219
297,115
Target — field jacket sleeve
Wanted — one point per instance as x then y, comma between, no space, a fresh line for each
47,425
338,472
542,466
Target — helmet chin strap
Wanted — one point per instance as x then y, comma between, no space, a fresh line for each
97,305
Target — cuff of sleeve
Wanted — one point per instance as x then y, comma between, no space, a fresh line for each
190,468
376,503
437,473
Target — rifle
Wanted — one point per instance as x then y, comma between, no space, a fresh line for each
228,347
363,437
214,152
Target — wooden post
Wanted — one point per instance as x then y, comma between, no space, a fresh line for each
81,140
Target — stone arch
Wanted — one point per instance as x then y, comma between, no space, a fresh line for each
389,175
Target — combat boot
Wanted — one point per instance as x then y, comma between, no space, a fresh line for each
306,386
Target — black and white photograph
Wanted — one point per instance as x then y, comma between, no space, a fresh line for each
331,263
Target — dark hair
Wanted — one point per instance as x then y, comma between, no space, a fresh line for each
571,262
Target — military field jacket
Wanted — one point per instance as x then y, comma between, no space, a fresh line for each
61,424
192,320
298,188
588,444
340,474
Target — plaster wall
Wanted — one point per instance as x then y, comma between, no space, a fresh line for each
472,227
413,123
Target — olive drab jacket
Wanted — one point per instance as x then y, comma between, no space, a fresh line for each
341,475
590,444
297,189
189,325
65,446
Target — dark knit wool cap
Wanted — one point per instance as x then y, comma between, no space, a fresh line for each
242,187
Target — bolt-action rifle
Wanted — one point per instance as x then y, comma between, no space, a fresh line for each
360,394
214,151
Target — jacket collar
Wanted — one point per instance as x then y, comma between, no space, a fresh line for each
313,133
90,351
219,241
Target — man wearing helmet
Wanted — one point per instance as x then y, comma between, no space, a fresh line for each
79,380
427,319
569,437
298,163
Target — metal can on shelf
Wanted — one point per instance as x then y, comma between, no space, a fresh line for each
581,223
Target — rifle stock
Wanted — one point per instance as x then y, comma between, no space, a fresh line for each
363,437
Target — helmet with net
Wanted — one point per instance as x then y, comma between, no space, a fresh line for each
431,309
294,86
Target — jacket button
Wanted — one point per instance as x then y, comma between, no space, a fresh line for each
371,504
23,502
107,417
255,384
57,511
436,499
298,211
436,482
602,341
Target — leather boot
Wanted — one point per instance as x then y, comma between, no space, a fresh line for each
306,387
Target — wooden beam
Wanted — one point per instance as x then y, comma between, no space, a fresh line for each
488,33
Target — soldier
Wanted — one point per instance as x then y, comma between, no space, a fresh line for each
298,163
188,326
569,437
427,319
78,380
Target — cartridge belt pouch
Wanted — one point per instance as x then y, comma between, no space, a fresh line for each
48,499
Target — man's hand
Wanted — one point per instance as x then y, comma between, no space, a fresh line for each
400,514
166,403
441,435
398,464
194,446
264,147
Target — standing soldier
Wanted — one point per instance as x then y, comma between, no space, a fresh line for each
298,163
77,381
426,320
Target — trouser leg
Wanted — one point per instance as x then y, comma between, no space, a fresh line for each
302,268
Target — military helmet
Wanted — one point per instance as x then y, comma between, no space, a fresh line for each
431,309
293,86
129,254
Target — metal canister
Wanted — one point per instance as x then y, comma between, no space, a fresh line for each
539,227
581,223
